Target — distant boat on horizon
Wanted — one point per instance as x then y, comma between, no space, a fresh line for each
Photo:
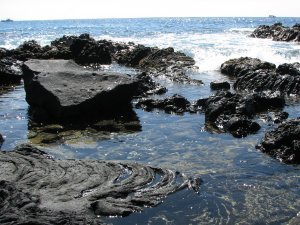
272,16
7,20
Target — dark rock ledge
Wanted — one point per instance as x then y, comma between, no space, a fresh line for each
255,75
86,51
224,111
235,114
278,32
283,143
36,189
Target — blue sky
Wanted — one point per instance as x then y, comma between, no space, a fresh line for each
80,9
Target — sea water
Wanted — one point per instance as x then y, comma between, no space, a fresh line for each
240,184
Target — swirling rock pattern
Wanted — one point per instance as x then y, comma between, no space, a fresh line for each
36,189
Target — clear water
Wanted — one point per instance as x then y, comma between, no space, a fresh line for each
240,184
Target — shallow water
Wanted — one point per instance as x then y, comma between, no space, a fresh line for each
240,184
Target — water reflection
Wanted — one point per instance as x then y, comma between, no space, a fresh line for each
87,130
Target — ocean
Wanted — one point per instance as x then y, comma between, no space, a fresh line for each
240,184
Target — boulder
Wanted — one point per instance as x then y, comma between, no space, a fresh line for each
234,113
283,143
64,89
278,32
86,50
10,71
174,104
219,85
239,66
255,75
37,189
158,62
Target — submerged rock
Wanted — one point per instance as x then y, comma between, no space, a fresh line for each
36,189
64,89
174,104
255,75
79,131
278,32
283,143
233,113
10,71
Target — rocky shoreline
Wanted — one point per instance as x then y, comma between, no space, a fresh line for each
66,90
37,189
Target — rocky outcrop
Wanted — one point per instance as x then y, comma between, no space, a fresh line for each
233,113
240,66
36,189
174,104
87,51
278,32
1,140
219,85
158,62
10,71
255,75
283,143
64,89
146,86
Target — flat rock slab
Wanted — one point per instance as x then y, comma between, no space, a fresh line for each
64,89
35,187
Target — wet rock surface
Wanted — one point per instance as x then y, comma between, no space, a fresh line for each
233,113
85,50
219,85
283,143
64,89
174,104
239,66
1,140
255,75
81,131
158,62
10,71
278,32
36,189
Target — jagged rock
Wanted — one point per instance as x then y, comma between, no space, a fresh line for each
158,62
278,32
283,143
290,69
220,85
173,65
3,52
239,66
174,104
233,113
10,71
1,140
132,55
36,189
86,50
255,75
146,86
64,89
